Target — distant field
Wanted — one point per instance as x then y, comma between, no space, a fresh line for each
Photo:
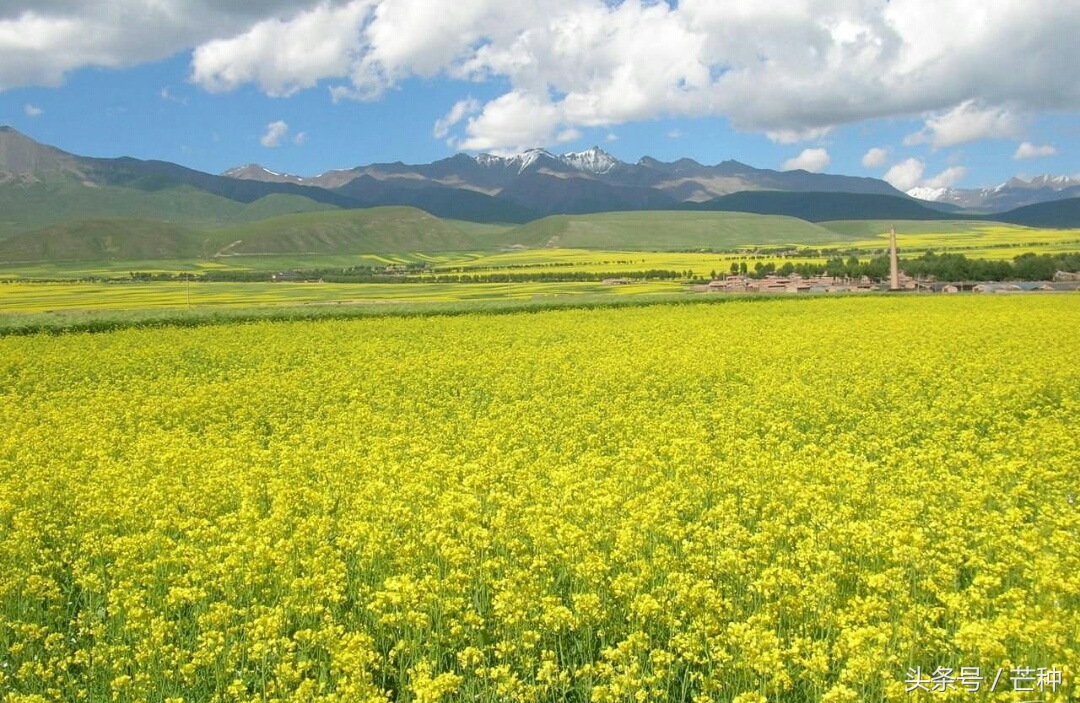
867,229
555,260
612,242
958,236
43,297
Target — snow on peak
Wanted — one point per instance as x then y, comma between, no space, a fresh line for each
932,195
1043,181
1055,182
490,160
518,162
530,157
594,160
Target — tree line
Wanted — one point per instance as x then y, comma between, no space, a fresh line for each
943,267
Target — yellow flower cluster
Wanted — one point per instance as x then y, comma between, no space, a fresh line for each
792,500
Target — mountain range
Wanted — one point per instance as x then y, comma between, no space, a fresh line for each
41,185
1012,194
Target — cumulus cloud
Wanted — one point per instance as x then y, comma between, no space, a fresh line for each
812,160
514,121
875,157
908,174
568,135
284,56
794,136
967,122
300,139
1027,150
905,175
947,178
790,69
43,40
275,133
33,110
458,112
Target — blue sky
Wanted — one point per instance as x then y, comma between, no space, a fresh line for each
860,87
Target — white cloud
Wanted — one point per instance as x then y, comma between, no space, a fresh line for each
876,157
513,122
812,160
168,95
1027,150
905,175
611,137
794,136
568,135
908,174
275,134
967,122
284,56
300,139
33,110
42,40
675,134
947,178
791,69
460,110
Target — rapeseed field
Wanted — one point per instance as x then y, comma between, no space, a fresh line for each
832,500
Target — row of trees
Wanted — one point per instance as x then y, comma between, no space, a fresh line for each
943,267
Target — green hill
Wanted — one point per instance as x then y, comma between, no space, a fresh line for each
25,207
374,230
330,232
280,204
100,240
1061,214
667,230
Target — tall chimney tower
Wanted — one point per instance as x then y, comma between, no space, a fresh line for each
894,263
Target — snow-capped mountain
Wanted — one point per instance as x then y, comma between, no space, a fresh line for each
933,195
1016,192
1044,181
518,163
594,160
256,172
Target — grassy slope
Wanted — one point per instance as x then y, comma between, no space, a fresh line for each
100,240
380,229
628,231
25,208
490,234
280,204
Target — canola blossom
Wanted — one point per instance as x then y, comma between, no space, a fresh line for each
791,500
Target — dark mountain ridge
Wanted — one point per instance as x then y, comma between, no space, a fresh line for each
510,189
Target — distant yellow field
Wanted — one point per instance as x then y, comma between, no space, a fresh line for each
1015,240
44,297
